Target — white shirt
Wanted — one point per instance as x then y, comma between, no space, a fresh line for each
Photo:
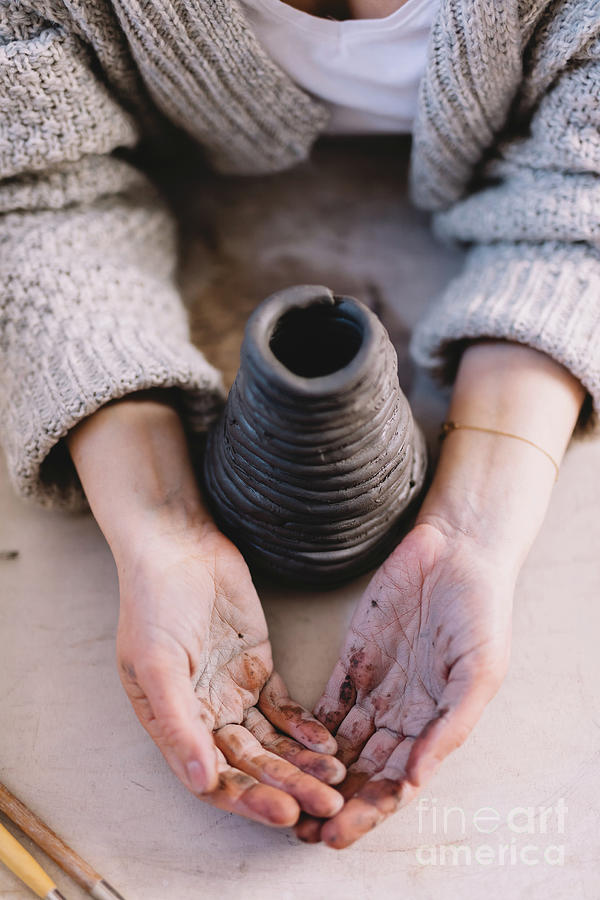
366,70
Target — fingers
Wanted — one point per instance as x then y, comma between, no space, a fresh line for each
353,733
308,828
337,699
239,793
323,766
163,699
377,797
403,764
244,752
293,719
351,736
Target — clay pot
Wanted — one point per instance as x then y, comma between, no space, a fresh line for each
316,458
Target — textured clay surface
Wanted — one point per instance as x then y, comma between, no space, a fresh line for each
317,456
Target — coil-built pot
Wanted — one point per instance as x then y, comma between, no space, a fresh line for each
316,456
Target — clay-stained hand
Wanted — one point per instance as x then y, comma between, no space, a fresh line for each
195,660
427,648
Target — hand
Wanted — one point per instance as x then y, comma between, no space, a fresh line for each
195,660
427,648
429,643
193,650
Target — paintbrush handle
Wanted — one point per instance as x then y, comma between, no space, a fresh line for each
18,860
69,861
45,838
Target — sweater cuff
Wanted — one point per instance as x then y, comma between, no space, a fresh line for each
75,378
546,296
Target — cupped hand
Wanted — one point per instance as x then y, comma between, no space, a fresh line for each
427,648
195,660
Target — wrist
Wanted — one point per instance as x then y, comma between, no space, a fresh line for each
149,532
492,495
133,462
492,488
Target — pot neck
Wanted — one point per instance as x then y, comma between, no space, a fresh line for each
306,343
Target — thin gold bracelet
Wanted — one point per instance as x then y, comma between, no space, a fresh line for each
447,427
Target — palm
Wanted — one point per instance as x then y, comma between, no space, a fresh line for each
228,645
426,649
196,663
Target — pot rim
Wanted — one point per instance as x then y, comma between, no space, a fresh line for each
256,346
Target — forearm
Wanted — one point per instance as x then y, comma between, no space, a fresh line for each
133,462
493,487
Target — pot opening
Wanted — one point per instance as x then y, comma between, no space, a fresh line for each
316,340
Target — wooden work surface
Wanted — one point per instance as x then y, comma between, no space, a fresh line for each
70,746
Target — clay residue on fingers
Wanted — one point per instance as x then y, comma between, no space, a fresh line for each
243,751
331,718
294,719
373,803
352,784
240,793
315,736
321,765
308,829
128,670
347,692
255,672
363,669
384,793
269,805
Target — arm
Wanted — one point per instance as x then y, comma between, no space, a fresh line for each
192,646
429,643
516,180
91,314
90,307
512,388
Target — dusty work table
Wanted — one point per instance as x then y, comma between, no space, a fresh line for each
71,747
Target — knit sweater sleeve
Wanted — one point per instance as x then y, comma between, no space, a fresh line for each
532,229
89,309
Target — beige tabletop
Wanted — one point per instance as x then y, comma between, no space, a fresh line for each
513,814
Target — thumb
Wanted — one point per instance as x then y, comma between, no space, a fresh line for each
463,700
161,693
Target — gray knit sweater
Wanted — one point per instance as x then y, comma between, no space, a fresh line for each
506,153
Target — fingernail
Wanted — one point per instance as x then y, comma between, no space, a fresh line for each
329,745
337,772
196,775
336,805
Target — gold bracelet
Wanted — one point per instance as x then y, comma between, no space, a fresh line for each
447,427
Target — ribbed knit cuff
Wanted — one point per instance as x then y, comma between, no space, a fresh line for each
546,296
72,380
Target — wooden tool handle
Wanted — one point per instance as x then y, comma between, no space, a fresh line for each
50,842
22,863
